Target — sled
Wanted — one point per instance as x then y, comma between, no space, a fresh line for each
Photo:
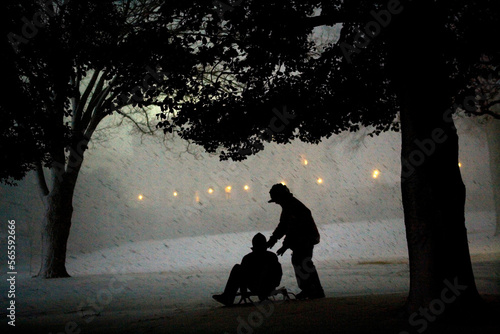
274,296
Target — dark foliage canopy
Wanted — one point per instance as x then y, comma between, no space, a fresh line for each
273,83
69,64
230,75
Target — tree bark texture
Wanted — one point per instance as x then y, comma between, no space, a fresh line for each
433,192
433,200
55,233
58,213
493,135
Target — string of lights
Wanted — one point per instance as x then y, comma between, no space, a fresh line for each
228,189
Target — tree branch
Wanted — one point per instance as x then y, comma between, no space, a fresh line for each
136,123
42,182
492,103
97,95
325,20
77,118
94,122
485,112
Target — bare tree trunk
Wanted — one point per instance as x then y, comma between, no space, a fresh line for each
58,212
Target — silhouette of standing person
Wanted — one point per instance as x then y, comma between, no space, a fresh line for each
301,234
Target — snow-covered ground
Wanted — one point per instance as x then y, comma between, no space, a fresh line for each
165,254
121,301
177,275
340,243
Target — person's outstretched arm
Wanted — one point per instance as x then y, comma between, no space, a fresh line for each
278,233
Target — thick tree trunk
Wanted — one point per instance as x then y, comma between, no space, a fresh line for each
58,212
434,199
493,134
55,232
441,276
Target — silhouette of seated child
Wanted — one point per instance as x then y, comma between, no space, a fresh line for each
259,271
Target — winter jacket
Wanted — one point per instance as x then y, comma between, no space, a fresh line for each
262,270
297,225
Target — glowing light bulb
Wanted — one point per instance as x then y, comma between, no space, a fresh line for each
319,180
375,173
283,183
175,194
210,190
459,164
246,187
140,197
228,189
305,162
